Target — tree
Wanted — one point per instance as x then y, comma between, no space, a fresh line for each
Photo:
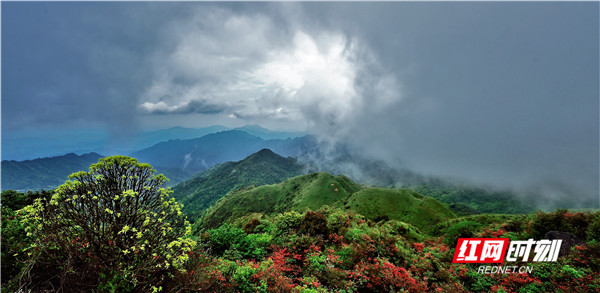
114,228
14,237
15,200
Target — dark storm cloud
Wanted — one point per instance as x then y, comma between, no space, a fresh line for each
75,64
495,93
500,93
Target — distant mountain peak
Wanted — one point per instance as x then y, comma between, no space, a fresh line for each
253,127
264,153
74,155
260,168
266,156
232,132
265,133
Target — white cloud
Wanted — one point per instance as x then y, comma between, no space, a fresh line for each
250,68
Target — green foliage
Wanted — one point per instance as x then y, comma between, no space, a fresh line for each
286,222
339,220
465,229
572,272
116,281
14,241
593,232
405,230
261,168
115,217
563,220
314,224
14,237
17,200
477,282
233,243
462,209
403,205
482,219
317,190
360,255
296,194
14,200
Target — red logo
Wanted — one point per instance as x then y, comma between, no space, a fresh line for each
480,250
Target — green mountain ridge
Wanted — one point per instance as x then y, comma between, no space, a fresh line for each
44,173
313,191
204,189
399,204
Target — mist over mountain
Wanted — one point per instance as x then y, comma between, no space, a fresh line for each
202,153
366,167
178,159
264,133
31,144
148,139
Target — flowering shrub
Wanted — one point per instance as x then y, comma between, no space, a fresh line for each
562,220
113,227
329,250
464,229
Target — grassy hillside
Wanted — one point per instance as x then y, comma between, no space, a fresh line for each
260,168
298,193
45,173
313,191
399,204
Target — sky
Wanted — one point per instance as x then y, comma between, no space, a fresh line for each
501,93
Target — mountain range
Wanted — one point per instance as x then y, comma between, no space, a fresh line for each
30,144
49,173
202,153
178,159
44,173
